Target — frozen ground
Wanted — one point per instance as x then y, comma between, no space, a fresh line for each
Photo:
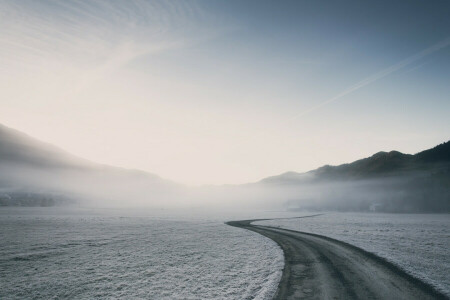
49,254
418,243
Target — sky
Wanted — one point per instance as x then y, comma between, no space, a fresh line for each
226,92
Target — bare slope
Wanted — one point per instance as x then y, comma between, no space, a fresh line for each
33,172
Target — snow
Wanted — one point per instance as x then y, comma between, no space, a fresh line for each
85,255
418,243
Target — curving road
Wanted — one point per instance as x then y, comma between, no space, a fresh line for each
318,267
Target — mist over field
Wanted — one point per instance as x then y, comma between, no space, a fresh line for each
34,173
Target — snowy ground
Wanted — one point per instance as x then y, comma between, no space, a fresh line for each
418,243
45,253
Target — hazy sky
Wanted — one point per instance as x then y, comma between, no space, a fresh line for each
226,91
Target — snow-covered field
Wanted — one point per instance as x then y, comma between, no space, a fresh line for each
418,243
83,254
46,253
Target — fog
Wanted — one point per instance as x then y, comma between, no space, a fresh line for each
405,194
33,173
91,187
114,187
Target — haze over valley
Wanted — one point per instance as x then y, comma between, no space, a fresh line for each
34,173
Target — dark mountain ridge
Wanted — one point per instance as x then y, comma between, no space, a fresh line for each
381,164
19,148
386,181
32,171
36,173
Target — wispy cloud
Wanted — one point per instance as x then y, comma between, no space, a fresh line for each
377,76
92,38
369,80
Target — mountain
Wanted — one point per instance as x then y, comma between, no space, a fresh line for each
17,148
381,164
36,173
386,181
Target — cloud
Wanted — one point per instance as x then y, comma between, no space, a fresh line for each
377,76
371,79
90,38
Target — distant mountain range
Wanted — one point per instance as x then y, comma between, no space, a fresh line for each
386,181
381,164
33,172
36,173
